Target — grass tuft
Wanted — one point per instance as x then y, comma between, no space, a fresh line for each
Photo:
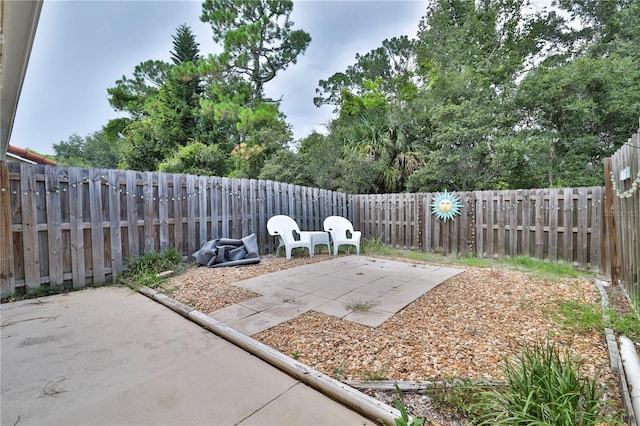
625,324
577,317
547,270
143,270
360,305
544,387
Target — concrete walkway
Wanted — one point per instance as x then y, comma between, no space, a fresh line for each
109,356
333,287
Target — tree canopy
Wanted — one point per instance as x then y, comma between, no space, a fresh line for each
491,94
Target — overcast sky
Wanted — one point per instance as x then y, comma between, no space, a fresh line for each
82,47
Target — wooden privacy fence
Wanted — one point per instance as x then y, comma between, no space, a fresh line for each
555,224
622,179
77,226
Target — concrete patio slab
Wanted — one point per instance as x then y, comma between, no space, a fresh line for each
371,318
330,286
234,312
260,303
109,356
333,308
255,323
279,411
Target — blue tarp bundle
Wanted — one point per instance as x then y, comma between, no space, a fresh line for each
228,252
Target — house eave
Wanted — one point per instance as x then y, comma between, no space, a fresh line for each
18,24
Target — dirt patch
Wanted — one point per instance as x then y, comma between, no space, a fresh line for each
464,328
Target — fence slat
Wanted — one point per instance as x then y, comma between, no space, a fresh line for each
97,231
526,223
30,226
202,210
582,227
568,225
489,212
539,226
191,214
7,268
115,227
163,211
132,216
76,228
596,226
54,227
216,200
513,223
178,213
553,224
501,234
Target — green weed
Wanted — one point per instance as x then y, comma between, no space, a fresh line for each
459,397
625,324
403,420
143,270
360,305
373,245
338,372
577,317
379,374
546,270
585,318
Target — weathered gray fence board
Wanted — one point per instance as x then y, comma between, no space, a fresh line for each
568,224
76,229
115,227
553,225
97,231
163,211
29,226
54,227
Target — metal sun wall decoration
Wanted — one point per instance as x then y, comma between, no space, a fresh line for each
445,206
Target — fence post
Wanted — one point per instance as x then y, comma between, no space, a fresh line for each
7,279
610,222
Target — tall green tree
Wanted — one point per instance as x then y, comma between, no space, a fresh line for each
257,36
394,63
471,55
162,100
198,159
585,105
130,94
381,134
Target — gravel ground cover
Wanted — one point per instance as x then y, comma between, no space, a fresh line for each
464,328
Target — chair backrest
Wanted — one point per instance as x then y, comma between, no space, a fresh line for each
339,225
282,226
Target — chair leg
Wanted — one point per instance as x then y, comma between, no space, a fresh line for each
288,252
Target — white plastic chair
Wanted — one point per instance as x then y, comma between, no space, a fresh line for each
342,233
283,227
